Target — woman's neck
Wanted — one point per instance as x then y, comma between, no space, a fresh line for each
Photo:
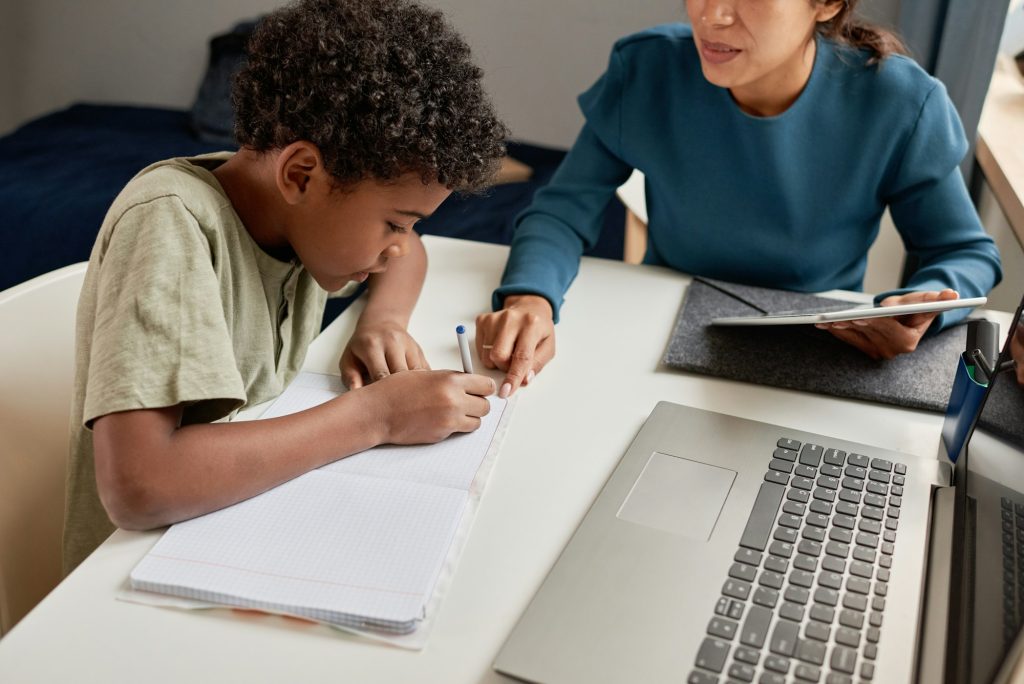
776,91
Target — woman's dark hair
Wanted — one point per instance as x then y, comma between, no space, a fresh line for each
846,29
381,87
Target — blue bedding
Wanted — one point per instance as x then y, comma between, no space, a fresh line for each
59,174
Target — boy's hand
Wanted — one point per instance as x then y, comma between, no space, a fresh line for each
428,406
377,350
887,337
519,339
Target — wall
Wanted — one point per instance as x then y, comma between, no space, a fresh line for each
10,44
538,54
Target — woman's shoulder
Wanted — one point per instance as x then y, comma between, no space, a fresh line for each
655,41
896,80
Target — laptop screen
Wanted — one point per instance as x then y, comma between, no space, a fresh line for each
991,471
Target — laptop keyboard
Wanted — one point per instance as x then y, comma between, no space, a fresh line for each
1013,568
806,593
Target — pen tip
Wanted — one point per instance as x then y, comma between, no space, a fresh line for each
460,329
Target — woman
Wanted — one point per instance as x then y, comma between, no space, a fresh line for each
773,134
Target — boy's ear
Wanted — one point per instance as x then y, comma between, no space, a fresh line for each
297,167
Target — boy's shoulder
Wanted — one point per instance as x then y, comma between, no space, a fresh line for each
189,180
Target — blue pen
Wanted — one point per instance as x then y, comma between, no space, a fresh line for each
467,360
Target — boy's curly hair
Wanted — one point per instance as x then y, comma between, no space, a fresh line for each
381,87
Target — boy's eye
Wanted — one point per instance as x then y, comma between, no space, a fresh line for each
395,228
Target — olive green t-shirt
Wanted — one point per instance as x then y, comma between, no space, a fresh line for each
179,307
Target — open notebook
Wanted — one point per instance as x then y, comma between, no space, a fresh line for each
358,543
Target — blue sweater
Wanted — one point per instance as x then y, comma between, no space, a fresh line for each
791,201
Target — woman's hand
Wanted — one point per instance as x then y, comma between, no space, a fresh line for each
377,350
889,336
519,339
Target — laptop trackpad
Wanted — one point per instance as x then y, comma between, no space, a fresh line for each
678,495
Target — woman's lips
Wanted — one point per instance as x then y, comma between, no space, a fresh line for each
717,53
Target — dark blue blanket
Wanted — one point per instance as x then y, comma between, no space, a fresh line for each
60,173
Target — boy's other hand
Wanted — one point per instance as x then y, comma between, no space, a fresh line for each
889,336
519,339
378,350
428,406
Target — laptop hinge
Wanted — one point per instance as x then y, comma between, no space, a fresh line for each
931,655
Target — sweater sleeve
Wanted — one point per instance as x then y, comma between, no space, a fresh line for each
934,215
566,216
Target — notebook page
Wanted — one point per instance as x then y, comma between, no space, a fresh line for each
451,463
335,547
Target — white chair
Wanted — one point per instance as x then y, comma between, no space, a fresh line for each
632,195
37,343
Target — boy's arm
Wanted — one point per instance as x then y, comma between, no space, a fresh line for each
151,471
381,345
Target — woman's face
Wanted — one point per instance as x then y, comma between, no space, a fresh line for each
757,48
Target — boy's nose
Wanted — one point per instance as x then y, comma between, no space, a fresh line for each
396,249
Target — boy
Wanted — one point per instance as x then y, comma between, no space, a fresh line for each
209,276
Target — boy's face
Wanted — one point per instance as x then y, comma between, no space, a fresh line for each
345,235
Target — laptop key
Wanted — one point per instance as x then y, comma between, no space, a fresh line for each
759,524
771,678
776,477
843,659
830,470
848,637
805,471
698,677
811,455
747,556
764,596
833,564
781,549
807,673
798,495
829,597
797,595
742,572
858,585
776,564
859,460
838,678
849,496
807,563
722,607
881,464
817,631
736,609
823,507
832,580
785,534
817,520
722,627
810,651
712,654
742,672
776,664
867,671
771,579
816,534
784,638
755,627
747,655
786,443
834,457
791,611
736,589
851,619
840,535
855,602
794,508
803,483
781,466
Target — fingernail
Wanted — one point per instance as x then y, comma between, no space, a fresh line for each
530,376
860,321
505,390
840,326
821,326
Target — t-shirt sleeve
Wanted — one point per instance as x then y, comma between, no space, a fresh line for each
159,334
934,213
567,215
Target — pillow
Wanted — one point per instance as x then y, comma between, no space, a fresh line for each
212,117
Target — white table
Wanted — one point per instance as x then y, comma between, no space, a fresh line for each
568,431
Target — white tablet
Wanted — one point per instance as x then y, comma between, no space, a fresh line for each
870,311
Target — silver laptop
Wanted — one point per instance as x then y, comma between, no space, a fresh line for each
723,549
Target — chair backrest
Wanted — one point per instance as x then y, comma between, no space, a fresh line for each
37,350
